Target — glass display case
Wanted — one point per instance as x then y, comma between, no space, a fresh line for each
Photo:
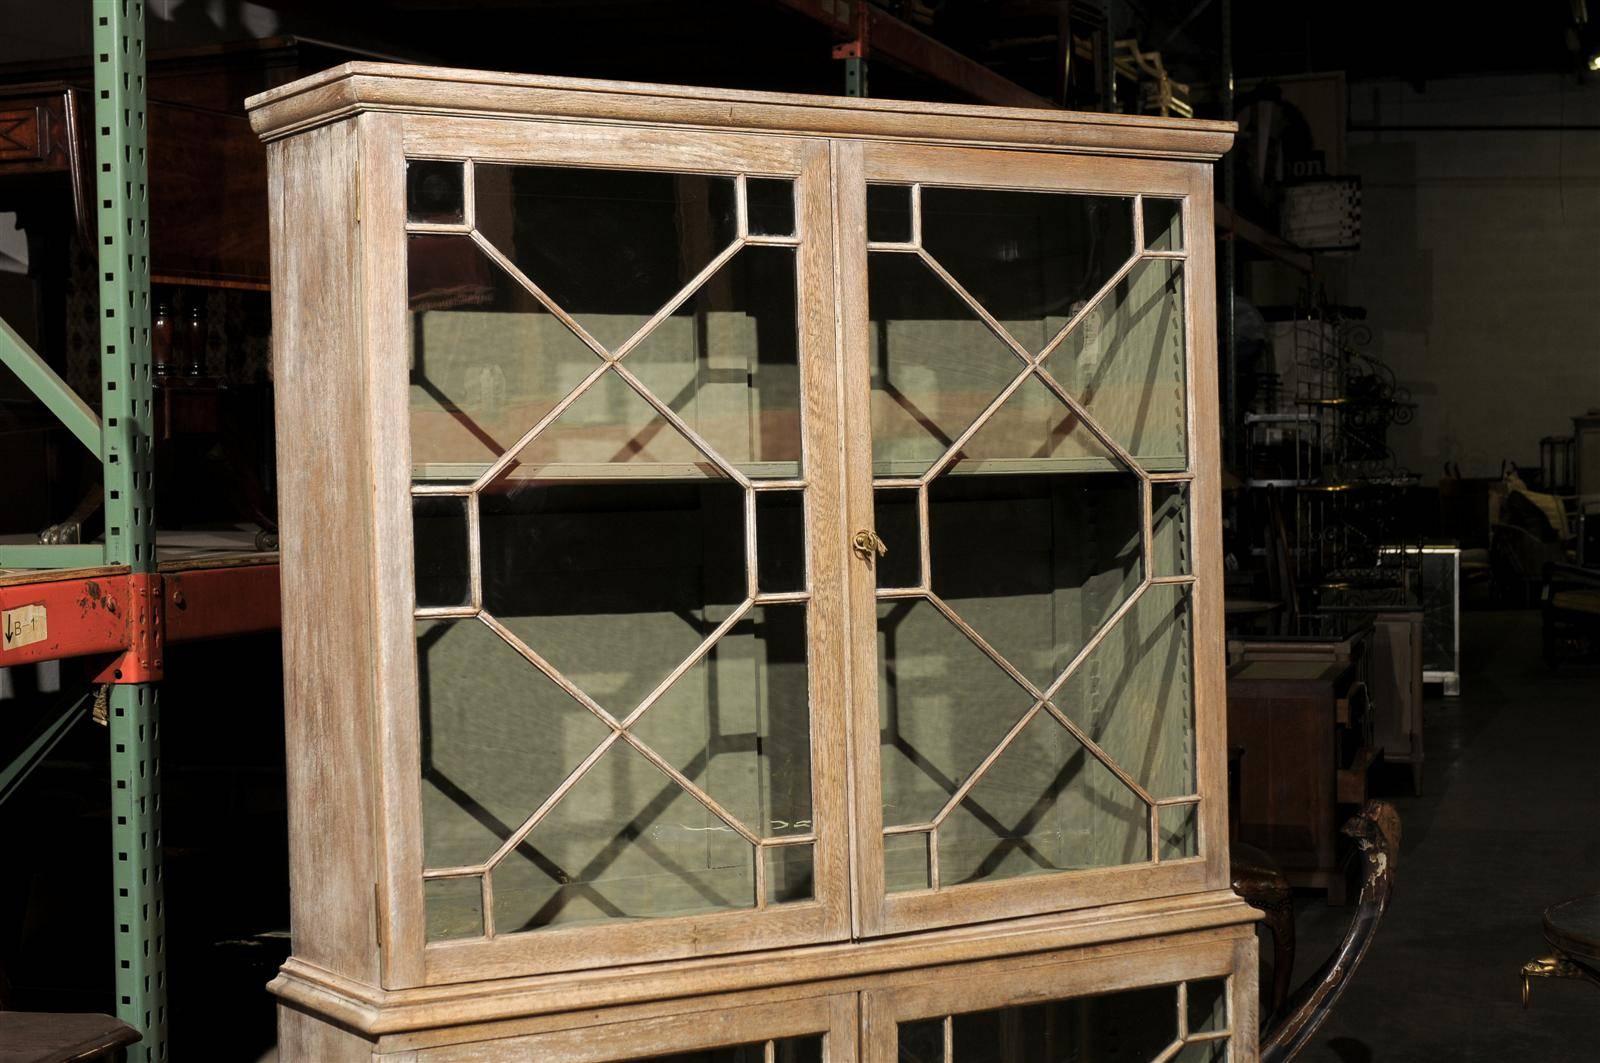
741,547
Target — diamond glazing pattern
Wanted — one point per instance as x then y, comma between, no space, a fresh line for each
568,394
1007,403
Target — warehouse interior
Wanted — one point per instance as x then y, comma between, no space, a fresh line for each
1406,237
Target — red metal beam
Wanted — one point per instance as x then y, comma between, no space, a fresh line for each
130,617
898,41
881,34
209,603
142,661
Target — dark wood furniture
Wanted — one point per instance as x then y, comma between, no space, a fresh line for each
1572,929
1571,607
1261,882
44,177
1375,832
208,189
208,250
1302,726
60,1037
42,135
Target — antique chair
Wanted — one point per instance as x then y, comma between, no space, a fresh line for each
1257,878
1571,606
1529,532
1376,832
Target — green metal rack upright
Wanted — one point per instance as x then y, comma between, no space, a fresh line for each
140,603
132,710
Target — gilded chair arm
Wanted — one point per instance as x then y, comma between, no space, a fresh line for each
1376,830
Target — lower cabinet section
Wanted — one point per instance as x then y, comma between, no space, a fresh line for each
1138,1024
1150,1007
777,1050
1177,998
805,1030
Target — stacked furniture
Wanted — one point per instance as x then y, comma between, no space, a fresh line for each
752,577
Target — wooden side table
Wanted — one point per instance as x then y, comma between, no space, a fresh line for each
1573,930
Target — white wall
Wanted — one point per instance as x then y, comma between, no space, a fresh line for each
1480,262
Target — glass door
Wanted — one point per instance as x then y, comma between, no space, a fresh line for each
1023,358
815,1029
622,446
1182,1007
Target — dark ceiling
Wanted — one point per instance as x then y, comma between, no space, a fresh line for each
761,43
1404,39
767,44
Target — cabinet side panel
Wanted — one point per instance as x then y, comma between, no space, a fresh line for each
1210,649
304,1038
325,544
1246,1002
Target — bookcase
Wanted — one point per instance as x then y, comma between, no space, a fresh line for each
751,568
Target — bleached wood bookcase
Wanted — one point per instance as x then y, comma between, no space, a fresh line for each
752,577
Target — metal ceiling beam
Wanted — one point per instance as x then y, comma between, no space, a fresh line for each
899,42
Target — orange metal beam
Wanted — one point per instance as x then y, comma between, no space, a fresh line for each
876,33
130,617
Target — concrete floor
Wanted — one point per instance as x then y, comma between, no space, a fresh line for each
1509,823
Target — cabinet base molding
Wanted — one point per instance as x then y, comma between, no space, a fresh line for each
385,1015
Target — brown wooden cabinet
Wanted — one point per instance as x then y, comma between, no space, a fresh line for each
1299,716
745,555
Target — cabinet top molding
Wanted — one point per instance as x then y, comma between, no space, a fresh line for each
352,88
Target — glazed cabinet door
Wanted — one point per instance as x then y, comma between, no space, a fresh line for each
622,735
1182,1005
1037,652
